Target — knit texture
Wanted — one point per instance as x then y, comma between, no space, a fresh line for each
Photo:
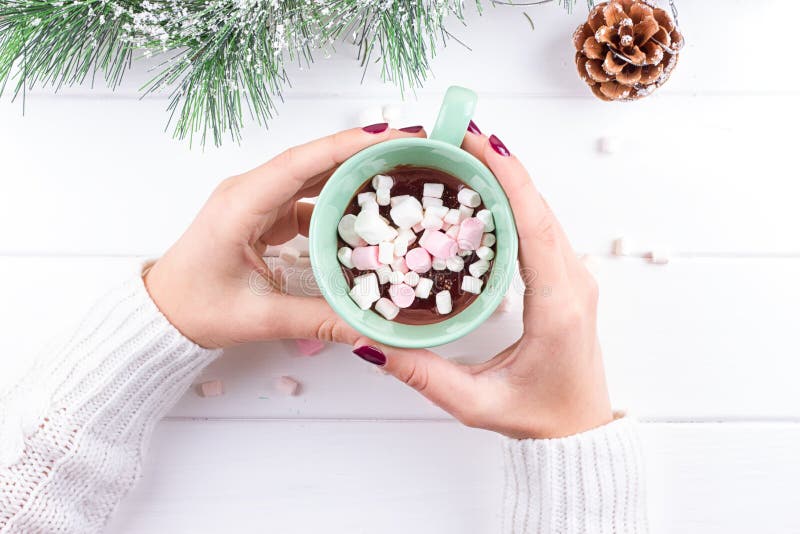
591,483
73,432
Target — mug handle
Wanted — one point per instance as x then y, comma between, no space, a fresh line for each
457,109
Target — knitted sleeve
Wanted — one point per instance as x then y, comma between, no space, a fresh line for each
592,482
73,432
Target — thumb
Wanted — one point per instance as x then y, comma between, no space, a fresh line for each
445,383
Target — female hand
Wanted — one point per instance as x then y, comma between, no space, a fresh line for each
204,283
548,384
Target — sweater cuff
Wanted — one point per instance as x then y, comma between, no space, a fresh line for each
590,482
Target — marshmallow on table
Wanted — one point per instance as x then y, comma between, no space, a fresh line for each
423,289
365,258
660,257
470,234
345,255
485,253
471,284
411,278
212,388
432,190
427,202
488,240
622,246
287,385
469,198
365,290
396,277
348,233
383,196
381,181
444,302
452,217
399,265
479,268
384,274
371,227
407,213
289,255
438,244
418,260
439,264
386,252
455,264
402,295
364,197
466,212
387,308
485,216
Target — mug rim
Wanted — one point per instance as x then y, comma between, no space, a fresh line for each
427,335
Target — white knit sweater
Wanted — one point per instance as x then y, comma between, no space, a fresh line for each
73,434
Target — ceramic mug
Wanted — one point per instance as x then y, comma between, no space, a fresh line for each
440,151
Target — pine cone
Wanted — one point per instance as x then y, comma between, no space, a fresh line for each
626,49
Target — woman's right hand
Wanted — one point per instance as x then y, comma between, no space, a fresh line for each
550,383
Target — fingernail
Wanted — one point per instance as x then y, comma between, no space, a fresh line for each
411,129
376,128
371,354
473,128
498,146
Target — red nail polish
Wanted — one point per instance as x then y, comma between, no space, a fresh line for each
411,129
473,128
498,146
370,354
376,128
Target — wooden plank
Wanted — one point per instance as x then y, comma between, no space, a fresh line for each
344,477
96,176
693,339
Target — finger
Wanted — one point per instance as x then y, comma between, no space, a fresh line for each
297,317
445,383
474,142
280,179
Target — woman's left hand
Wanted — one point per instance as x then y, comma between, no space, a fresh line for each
204,283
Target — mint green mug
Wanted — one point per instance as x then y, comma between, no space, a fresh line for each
440,151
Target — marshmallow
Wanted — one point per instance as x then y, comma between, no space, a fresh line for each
470,233
608,144
433,190
455,264
371,227
348,233
437,211
469,198
396,277
384,273
439,264
386,252
485,216
465,253
427,202
381,181
438,244
399,265
622,246
370,204
407,235
471,284
466,212
446,227
452,217
309,347
488,240
364,197
411,278
452,232
383,196
444,302
400,247
479,268
431,221
365,258
392,113
289,255
212,388
287,385
407,213
485,253
660,257
365,290
423,289
387,308
418,260
394,201
345,255
418,227
402,295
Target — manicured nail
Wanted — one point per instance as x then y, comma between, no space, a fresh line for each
376,128
411,129
498,146
473,128
371,354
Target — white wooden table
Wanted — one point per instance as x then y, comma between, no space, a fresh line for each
704,350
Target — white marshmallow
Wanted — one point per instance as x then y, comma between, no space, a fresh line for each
423,289
407,213
469,198
287,385
431,201
407,235
365,290
488,240
386,252
659,257
452,232
394,201
400,247
383,196
439,264
345,255
392,113
371,227
608,144
438,211
381,181
622,246
433,190
479,268
485,216
471,284
431,222
455,264
444,302
466,212
465,253
411,278
370,204
289,255
485,253
348,233
384,273
418,227
452,217
387,308
363,197
399,264
396,277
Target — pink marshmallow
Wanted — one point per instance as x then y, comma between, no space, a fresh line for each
309,347
402,295
418,260
439,245
212,388
365,258
400,265
470,233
